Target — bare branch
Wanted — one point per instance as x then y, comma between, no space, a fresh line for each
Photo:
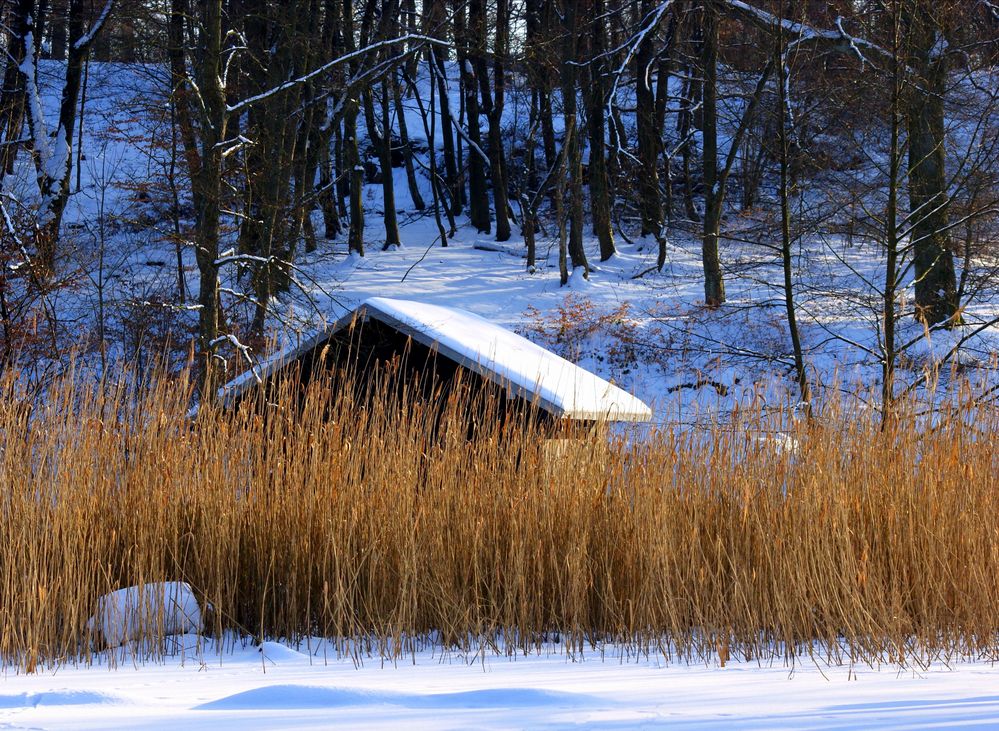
408,38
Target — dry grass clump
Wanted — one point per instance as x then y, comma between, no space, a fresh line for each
377,522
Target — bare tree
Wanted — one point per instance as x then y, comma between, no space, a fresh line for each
52,150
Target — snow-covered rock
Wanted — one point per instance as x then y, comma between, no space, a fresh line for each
146,611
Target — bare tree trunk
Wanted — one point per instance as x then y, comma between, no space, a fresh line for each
542,67
936,281
59,39
207,191
12,98
310,140
547,128
388,182
54,157
662,108
891,233
714,282
648,136
785,192
600,197
468,47
40,16
492,106
684,124
352,161
430,130
279,163
437,57
407,149
573,156
438,186
560,218
341,169
327,194
352,157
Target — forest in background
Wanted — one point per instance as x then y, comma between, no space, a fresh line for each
588,122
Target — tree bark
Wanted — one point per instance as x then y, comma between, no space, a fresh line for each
891,234
785,193
600,196
714,282
351,152
573,156
478,200
648,136
407,149
936,280
207,191
12,98
455,204
388,181
492,107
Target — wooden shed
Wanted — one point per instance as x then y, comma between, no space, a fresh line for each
446,341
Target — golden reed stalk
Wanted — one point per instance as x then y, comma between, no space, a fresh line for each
372,518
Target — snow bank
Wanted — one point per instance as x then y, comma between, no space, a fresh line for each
230,689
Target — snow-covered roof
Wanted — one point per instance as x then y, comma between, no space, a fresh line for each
497,354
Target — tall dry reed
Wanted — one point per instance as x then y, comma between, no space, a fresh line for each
374,520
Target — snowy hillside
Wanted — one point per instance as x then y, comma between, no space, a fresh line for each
645,329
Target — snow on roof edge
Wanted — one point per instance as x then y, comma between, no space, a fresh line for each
618,404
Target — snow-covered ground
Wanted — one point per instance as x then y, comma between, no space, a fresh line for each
280,688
